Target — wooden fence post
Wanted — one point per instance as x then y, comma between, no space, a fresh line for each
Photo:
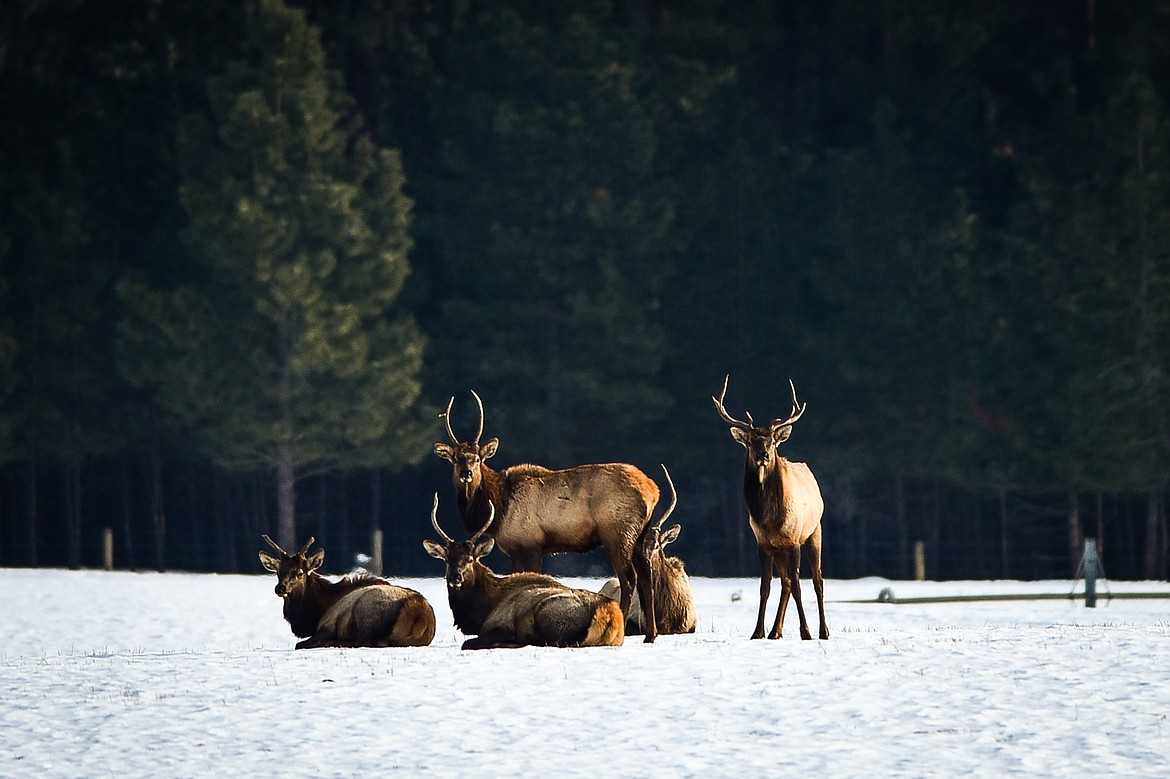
376,557
920,561
1089,568
108,549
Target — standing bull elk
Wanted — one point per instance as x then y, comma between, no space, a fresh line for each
674,600
784,509
540,511
359,610
521,609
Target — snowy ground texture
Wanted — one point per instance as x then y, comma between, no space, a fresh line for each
174,675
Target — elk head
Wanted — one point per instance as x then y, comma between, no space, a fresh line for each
292,570
654,538
760,442
467,457
460,556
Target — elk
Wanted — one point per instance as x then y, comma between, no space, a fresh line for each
540,511
359,610
784,510
520,609
674,600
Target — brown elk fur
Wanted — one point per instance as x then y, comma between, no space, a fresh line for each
520,609
784,510
360,610
674,600
540,511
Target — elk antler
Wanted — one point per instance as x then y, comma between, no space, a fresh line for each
723,411
673,500
479,432
491,515
308,543
446,415
796,413
435,520
274,545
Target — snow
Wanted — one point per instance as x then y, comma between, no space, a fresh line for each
144,674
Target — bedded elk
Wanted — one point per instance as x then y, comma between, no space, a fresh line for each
358,610
520,609
540,511
784,509
674,600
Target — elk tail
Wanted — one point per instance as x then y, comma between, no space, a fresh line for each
608,627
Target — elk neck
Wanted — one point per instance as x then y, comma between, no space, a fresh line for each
472,500
474,600
304,610
765,497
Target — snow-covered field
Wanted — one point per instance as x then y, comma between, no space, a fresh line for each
173,675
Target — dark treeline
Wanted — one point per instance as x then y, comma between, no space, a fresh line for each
249,250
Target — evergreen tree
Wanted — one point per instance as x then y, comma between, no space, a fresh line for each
551,235
282,347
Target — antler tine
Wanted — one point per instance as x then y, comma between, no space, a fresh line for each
673,500
796,413
273,544
479,432
308,543
723,411
446,415
491,515
435,521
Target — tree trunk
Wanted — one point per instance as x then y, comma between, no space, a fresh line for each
903,541
286,500
72,473
1004,551
30,513
1076,538
157,511
1152,561
127,539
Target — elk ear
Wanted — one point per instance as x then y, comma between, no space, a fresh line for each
315,560
269,562
670,534
445,451
435,549
484,548
740,435
488,449
781,434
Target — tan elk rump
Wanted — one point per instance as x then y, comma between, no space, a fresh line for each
520,609
784,510
674,600
360,610
540,511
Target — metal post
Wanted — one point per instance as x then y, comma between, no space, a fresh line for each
1089,566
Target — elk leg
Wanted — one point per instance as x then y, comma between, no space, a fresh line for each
804,631
524,561
315,641
492,640
812,547
765,589
789,570
645,584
